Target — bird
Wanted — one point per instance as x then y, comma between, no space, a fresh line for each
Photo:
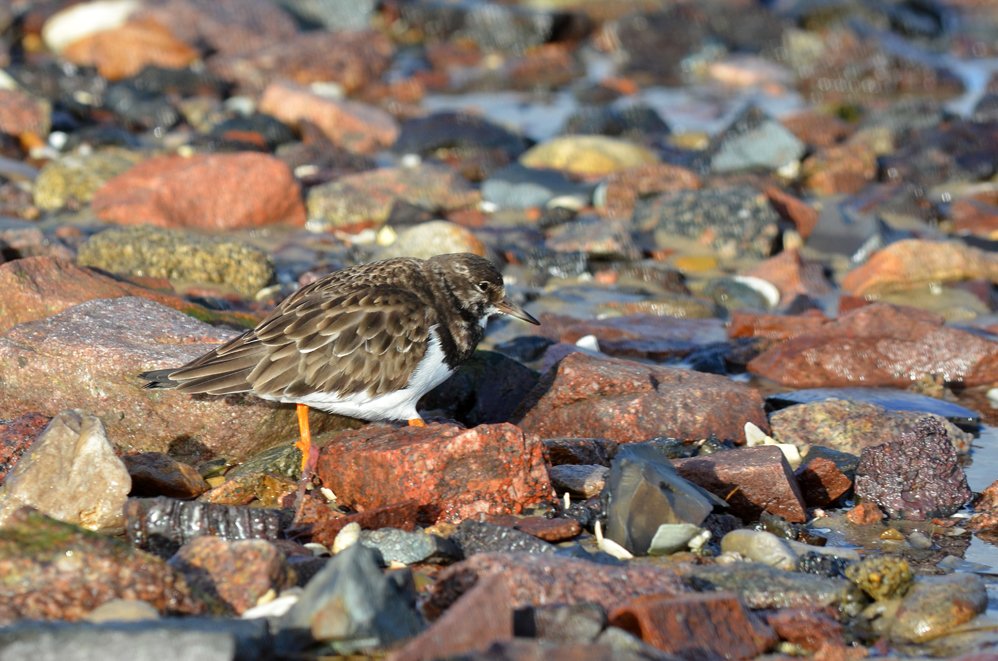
367,341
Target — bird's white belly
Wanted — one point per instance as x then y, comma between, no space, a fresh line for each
397,405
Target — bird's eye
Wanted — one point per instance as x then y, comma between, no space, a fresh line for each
483,286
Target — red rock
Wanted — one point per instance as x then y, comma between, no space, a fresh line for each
31,242
323,531
237,572
972,216
56,571
865,514
453,473
915,263
267,490
39,287
840,169
550,530
17,436
312,509
21,114
479,618
751,480
536,580
793,276
157,474
810,629
817,129
355,126
627,401
713,625
880,345
821,482
124,51
850,303
801,214
642,335
622,189
205,191
351,59
88,357
777,327
223,26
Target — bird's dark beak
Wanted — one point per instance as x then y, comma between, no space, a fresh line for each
507,306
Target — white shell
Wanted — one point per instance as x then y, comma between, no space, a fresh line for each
610,546
79,21
755,437
767,289
588,342
346,538
275,608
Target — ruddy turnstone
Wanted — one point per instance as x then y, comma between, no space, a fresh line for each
366,342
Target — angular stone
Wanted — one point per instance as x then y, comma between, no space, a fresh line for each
550,530
453,473
643,492
916,477
915,263
323,529
236,572
486,606
851,426
55,571
39,287
206,191
865,514
775,327
162,525
351,604
88,356
801,214
356,126
627,401
821,482
583,481
695,627
793,276
17,436
410,547
535,580
810,629
71,474
751,480
937,604
591,451
157,474
368,197
476,537
880,345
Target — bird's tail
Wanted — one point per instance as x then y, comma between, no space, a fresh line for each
159,379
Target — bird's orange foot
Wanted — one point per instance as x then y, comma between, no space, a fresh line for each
305,442
416,422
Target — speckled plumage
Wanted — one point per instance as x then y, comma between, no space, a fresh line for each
353,341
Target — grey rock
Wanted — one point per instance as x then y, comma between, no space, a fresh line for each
191,638
761,546
754,141
410,547
734,295
594,451
559,623
891,399
451,130
70,473
762,586
351,605
519,187
644,491
580,481
630,121
476,537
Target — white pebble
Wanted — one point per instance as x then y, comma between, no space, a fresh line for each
610,546
346,538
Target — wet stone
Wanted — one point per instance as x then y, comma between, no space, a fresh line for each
891,399
810,629
43,564
458,132
865,514
752,141
157,474
475,537
16,436
162,525
760,586
736,220
822,564
936,604
557,624
283,460
644,491
916,477
410,547
881,576
238,573
324,529
270,491
593,451
550,530
821,482
760,546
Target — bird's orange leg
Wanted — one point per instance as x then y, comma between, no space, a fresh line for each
305,443
416,422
